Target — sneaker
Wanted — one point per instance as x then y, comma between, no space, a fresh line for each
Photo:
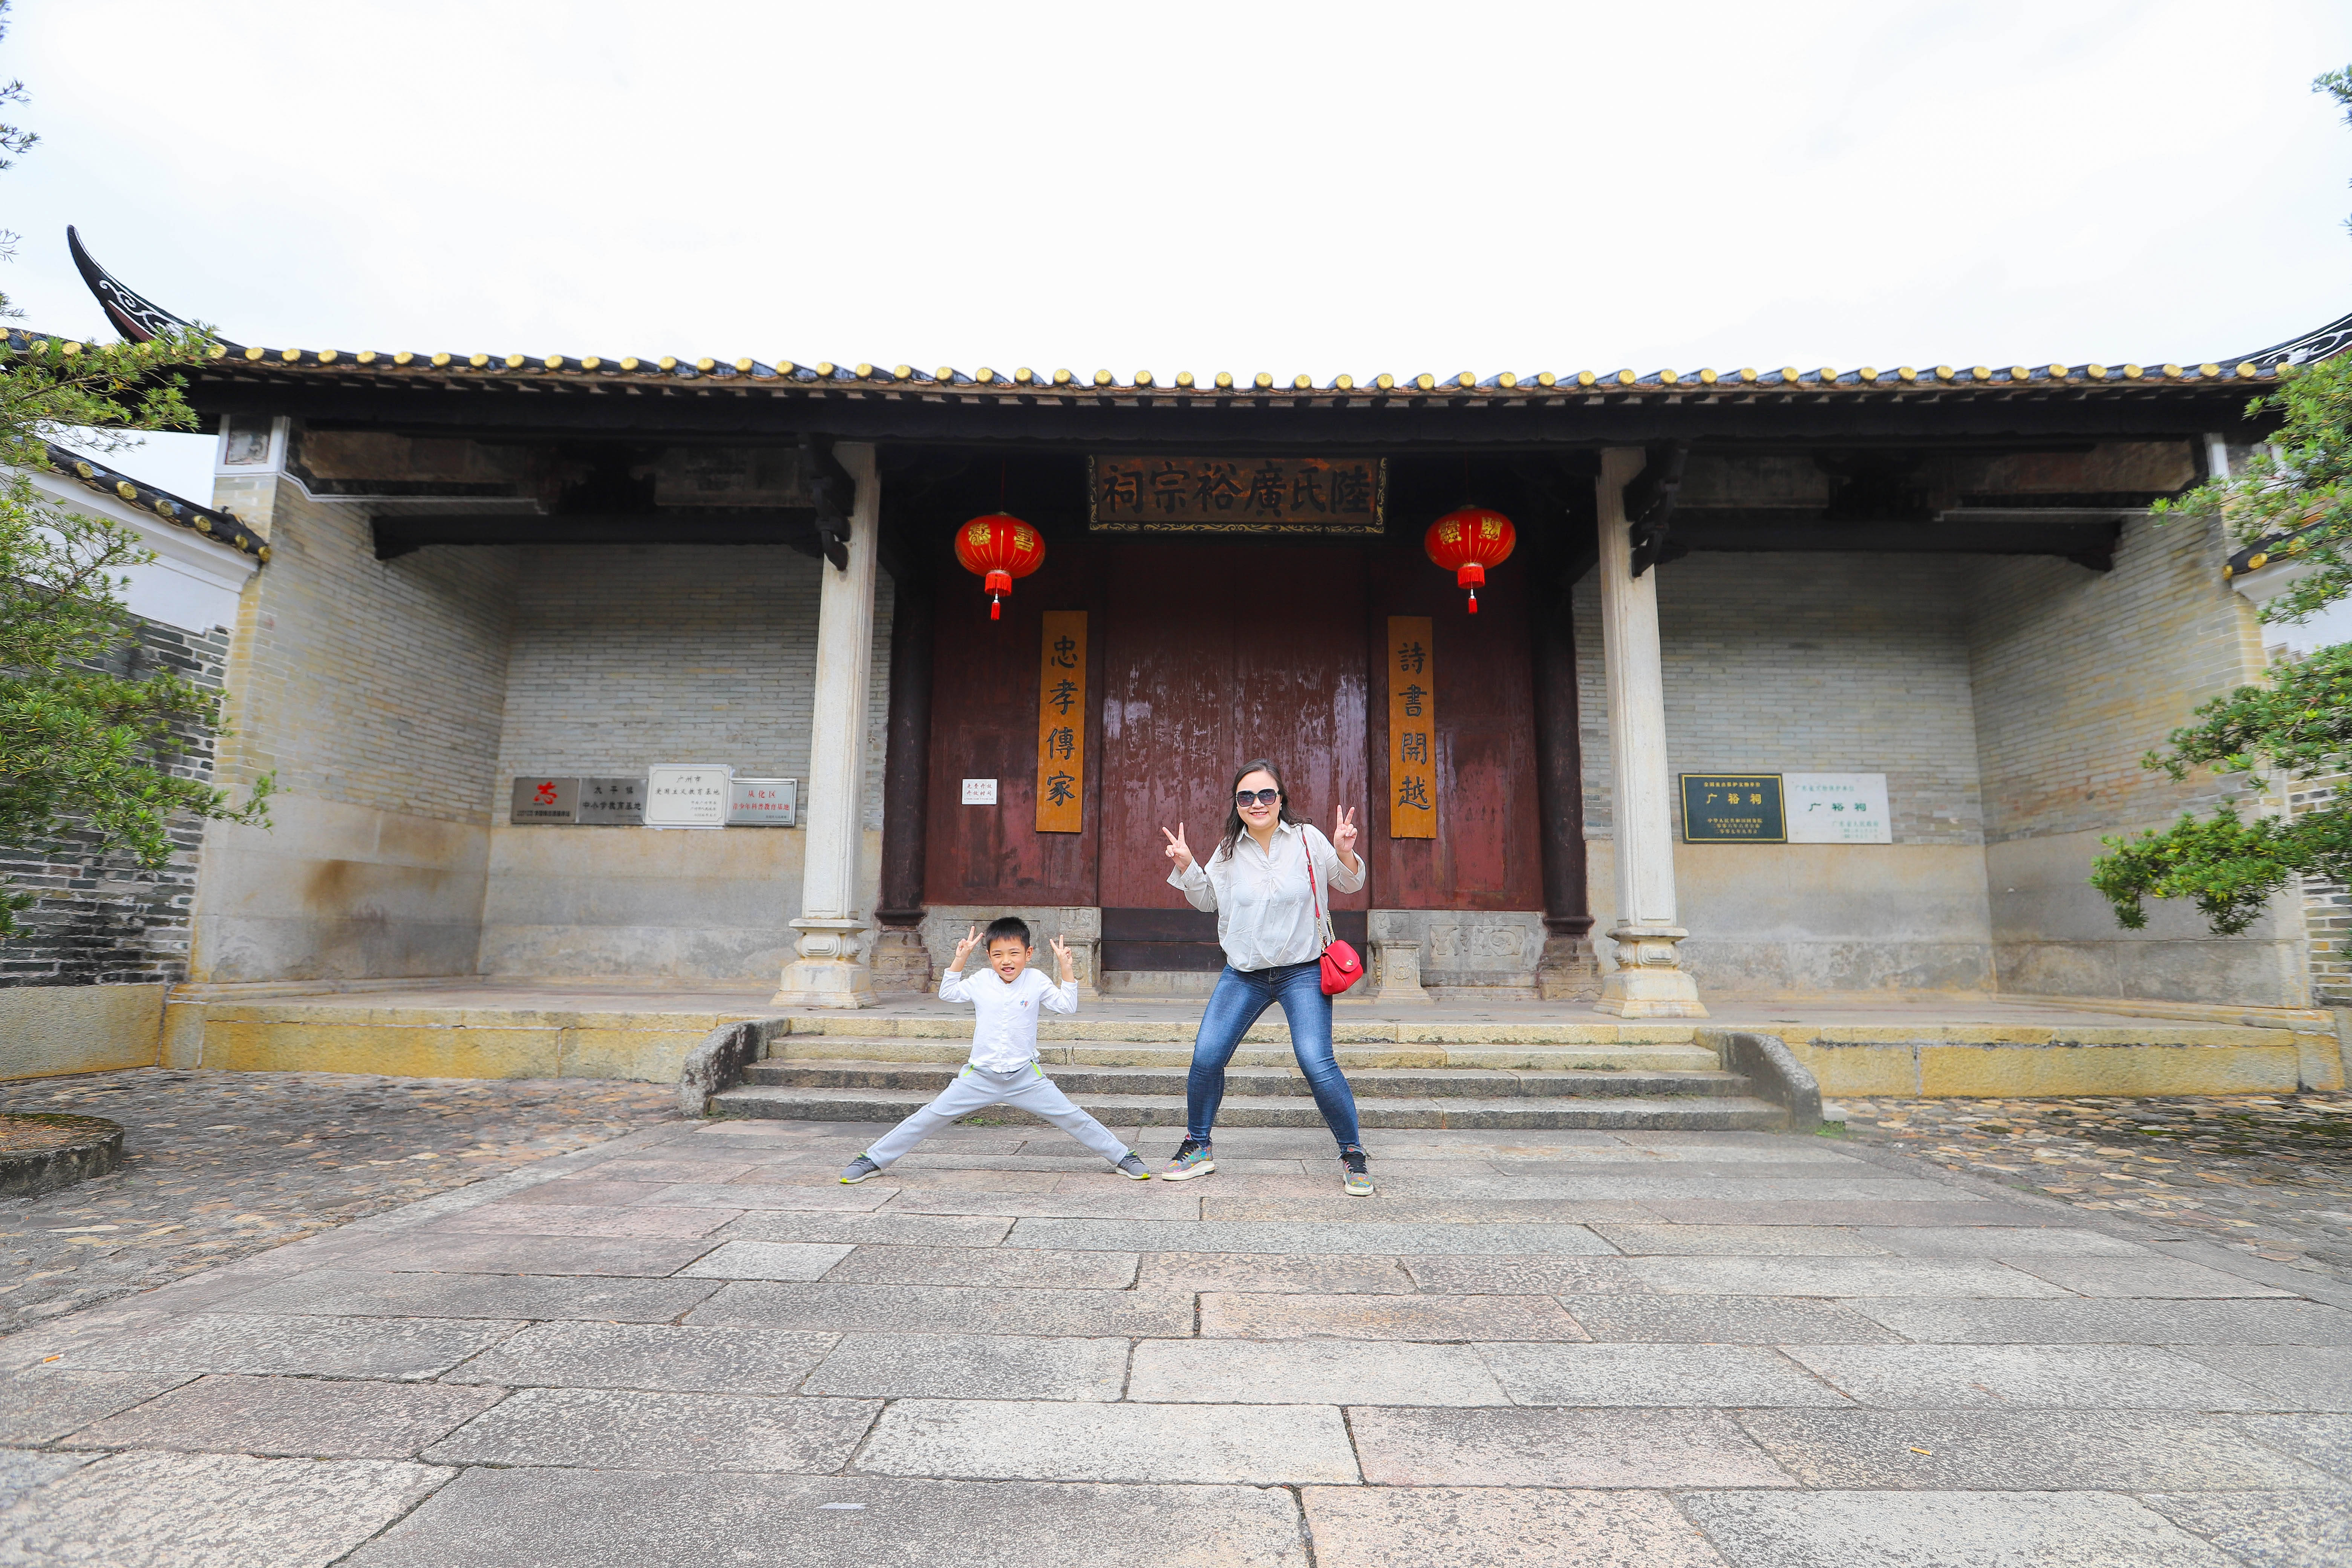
1360,1180
1192,1158
1133,1169
858,1170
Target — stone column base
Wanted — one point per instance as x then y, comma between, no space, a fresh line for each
1569,970
1649,981
826,973
1396,974
1086,963
901,961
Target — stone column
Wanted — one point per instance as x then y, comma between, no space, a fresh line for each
831,971
1648,980
1566,970
901,963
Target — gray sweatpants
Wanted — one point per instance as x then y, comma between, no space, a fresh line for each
976,1088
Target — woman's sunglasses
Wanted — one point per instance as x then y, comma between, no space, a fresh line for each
1262,796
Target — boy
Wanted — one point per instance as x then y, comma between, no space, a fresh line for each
1003,1069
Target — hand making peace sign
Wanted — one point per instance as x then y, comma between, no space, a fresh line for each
1177,850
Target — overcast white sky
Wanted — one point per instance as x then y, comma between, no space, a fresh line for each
1282,187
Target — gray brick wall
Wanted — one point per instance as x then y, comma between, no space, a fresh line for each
625,656
100,920
374,683
2078,674
1808,664
2326,914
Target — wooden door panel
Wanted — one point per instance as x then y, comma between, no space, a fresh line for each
1214,655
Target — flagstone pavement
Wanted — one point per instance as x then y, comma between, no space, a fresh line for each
690,1345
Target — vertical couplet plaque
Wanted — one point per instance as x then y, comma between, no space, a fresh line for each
1062,723
1412,727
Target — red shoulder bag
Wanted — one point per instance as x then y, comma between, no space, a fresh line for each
1341,967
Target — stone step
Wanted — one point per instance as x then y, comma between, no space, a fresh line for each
1681,1114
1181,1026
1360,1056
1443,1083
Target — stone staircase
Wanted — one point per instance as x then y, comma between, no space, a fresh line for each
855,1067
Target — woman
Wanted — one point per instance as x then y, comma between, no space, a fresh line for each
1257,882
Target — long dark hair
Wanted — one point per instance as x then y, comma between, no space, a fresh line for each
1234,826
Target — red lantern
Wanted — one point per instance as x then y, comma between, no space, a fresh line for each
1468,541
999,547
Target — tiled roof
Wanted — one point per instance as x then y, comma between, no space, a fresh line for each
220,527
138,318
1025,385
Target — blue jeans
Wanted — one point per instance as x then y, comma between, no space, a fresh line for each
1241,995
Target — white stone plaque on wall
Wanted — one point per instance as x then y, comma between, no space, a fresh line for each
765,802
1837,808
678,795
980,792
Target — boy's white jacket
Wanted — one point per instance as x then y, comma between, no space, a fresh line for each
1004,1026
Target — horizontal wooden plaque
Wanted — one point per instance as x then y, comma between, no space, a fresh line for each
1157,493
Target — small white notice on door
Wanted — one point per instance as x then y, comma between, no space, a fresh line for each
1837,808
980,792
679,796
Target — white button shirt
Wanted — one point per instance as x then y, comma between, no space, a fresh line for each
1004,1023
1266,915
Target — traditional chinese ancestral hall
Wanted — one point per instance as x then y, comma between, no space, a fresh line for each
1797,683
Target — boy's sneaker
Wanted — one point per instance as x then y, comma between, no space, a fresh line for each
1134,1169
1192,1158
858,1170
1360,1180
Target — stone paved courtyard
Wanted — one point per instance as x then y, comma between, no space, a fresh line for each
2267,1174
220,1165
690,1345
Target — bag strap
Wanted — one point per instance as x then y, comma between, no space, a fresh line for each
1323,930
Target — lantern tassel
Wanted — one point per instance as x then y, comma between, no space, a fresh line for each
1473,601
995,608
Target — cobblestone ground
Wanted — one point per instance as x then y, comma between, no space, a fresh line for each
2269,1175
222,1165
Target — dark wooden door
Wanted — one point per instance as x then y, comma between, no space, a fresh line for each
1214,655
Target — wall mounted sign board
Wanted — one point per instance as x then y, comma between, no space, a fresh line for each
1062,723
1161,494
1412,727
685,795
980,792
764,803
544,803
1733,809
610,801
1838,808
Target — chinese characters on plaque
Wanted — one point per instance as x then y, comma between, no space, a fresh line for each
1733,809
1237,495
682,796
540,801
1062,723
1412,727
1838,808
1786,808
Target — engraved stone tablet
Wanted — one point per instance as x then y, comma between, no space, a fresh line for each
680,795
612,802
765,802
544,802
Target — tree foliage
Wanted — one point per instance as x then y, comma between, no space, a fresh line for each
2293,502
87,749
